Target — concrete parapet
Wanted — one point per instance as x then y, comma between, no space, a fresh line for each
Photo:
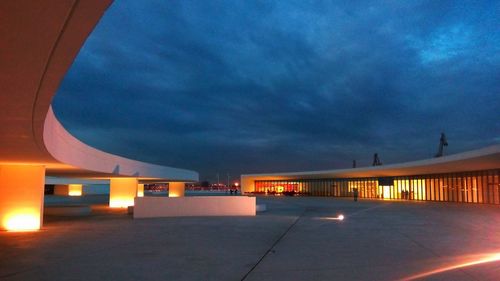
150,207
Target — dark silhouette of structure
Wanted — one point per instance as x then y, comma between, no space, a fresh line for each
442,143
354,163
376,160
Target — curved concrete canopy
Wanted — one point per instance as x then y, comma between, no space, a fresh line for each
481,159
40,40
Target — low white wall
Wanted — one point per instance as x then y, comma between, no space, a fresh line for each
151,207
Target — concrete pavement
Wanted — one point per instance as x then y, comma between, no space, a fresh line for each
296,239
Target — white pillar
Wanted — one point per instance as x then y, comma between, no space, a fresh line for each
140,190
122,192
21,197
247,184
176,189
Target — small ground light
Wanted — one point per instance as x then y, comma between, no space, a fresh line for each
336,218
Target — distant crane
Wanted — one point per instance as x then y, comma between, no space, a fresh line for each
376,160
442,143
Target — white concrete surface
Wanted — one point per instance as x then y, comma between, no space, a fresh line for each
68,210
296,239
69,150
151,207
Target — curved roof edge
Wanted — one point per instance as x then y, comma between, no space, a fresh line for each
67,149
480,159
41,40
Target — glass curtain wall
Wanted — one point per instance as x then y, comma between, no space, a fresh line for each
467,187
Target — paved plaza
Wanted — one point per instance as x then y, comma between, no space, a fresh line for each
297,238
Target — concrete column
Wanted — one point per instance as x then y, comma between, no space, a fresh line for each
122,192
247,185
176,189
140,190
21,197
68,189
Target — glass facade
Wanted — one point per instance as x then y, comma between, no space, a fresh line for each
466,187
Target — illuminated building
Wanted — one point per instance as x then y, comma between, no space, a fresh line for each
40,40
469,177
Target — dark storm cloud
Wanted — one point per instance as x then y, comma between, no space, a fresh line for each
254,86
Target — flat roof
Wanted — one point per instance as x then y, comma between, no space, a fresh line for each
481,159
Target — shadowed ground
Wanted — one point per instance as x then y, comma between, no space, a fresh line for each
296,239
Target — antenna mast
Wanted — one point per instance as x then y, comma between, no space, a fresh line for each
442,143
376,160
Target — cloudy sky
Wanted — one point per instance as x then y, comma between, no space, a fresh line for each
268,86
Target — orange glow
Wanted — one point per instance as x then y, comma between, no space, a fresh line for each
351,185
236,184
121,202
466,261
24,221
140,190
122,192
176,189
415,188
21,197
75,190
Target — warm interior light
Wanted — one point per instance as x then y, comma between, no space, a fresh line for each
22,222
386,191
75,190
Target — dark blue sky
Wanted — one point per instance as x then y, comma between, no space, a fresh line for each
267,86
